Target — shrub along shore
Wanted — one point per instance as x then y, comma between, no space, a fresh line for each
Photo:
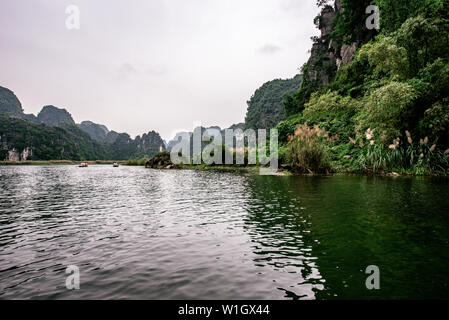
284,170
305,158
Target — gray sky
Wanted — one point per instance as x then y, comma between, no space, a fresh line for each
144,65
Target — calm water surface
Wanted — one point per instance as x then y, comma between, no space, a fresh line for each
137,233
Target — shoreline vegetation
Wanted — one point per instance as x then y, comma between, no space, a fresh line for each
162,161
53,162
254,169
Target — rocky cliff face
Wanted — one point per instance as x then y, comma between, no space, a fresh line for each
10,106
96,131
30,117
347,53
322,63
124,147
15,155
326,54
149,144
52,116
111,137
9,103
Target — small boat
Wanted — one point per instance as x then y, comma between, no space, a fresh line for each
115,165
83,165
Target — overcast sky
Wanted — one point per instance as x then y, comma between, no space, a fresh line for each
144,65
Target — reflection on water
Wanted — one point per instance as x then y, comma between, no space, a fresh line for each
150,234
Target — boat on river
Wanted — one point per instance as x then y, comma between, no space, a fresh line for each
83,165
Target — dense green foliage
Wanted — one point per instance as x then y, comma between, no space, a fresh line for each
350,23
397,82
53,135
48,143
124,147
265,108
69,142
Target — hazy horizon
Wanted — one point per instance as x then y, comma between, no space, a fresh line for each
151,65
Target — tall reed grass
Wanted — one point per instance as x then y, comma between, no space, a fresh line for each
308,151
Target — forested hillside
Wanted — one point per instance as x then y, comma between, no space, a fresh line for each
52,116
22,140
373,100
265,108
9,102
53,135
124,147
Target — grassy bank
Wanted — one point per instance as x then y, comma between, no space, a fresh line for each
335,171
52,162
132,162
135,162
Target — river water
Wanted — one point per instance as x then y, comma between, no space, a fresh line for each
138,233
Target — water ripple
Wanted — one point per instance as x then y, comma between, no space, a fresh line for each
153,234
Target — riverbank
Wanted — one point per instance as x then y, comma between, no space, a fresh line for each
218,168
285,172
53,162
162,160
221,168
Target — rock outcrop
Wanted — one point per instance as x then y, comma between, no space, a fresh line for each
13,154
30,117
124,147
96,131
52,116
324,20
9,103
347,53
111,137
149,144
327,55
322,64
26,154
161,161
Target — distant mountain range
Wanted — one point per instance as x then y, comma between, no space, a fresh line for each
54,135
204,131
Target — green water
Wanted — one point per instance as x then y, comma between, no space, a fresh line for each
400,225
